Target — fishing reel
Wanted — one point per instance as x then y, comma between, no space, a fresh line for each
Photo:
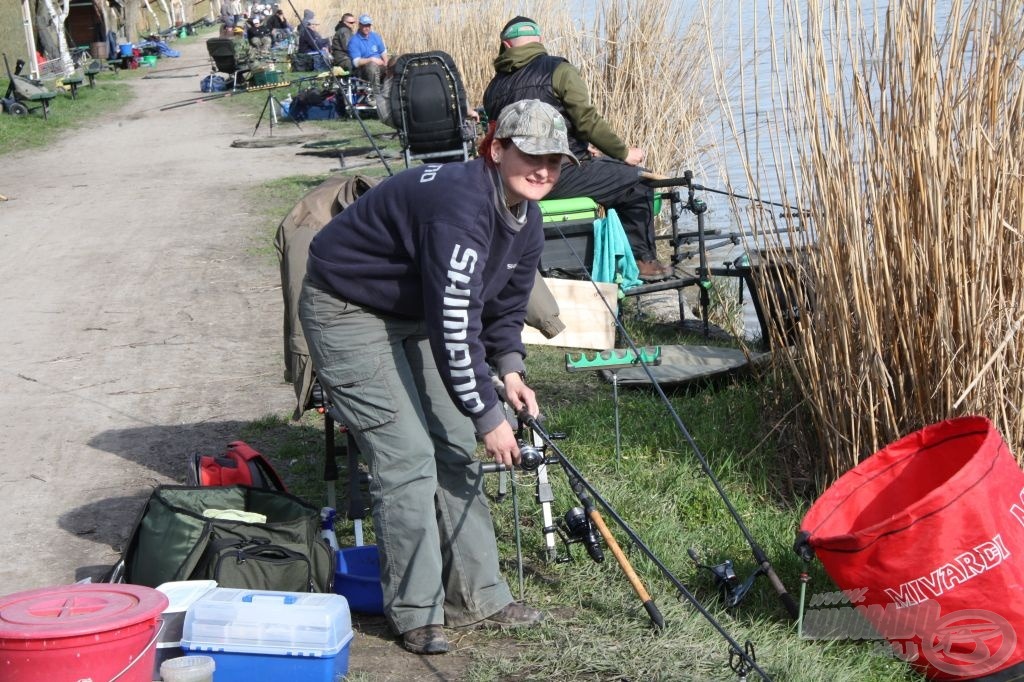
530,457
730,589
576,528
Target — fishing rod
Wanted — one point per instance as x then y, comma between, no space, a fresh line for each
341,89
656,180
227,93
581,522
362,124
742,658
182,68
764,565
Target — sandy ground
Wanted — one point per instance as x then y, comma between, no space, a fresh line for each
137,328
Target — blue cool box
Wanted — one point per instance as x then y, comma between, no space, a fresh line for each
256,635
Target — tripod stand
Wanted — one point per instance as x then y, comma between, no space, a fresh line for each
273,104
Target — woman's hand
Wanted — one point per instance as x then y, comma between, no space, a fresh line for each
501,445
519,395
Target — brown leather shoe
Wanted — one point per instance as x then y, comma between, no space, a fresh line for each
513,615
428,639
653,270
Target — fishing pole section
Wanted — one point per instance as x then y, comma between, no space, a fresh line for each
726,580
583,525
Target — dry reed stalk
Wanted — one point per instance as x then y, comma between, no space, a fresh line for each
910,164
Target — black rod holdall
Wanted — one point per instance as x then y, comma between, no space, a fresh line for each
239,536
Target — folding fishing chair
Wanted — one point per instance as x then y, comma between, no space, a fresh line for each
231,56
429,107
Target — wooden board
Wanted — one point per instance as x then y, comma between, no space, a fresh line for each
588,322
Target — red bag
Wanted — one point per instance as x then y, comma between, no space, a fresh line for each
926,540
239,465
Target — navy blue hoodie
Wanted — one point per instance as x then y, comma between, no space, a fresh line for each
436,243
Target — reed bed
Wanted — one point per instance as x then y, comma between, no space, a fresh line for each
906,130
633,54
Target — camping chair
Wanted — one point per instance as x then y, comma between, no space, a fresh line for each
429,108
23,94
231,56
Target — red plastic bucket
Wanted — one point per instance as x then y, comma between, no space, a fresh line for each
925,539
77,632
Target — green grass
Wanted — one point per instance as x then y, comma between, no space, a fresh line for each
598,629
18,133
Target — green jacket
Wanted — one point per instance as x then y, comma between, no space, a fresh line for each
569,87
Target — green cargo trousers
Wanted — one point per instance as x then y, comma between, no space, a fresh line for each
439,558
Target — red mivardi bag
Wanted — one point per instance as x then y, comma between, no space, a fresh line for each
926,540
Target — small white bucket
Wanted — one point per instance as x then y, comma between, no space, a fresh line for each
188,669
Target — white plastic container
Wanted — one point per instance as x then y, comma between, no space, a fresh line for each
180,595
256,635
188,669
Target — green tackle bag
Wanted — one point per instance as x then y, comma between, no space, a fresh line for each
176,538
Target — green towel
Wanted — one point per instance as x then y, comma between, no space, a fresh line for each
613,257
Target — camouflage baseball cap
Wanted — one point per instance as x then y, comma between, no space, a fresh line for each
536,128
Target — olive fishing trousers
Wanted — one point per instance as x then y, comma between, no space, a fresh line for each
435,535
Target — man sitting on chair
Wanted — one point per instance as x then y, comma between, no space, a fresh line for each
278,25
310,39
369,54
339,43
524,70
260,34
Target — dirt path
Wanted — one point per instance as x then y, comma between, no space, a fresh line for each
137,328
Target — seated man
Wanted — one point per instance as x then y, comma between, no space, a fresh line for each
369,54
309,39
278,25
259,34
524,70
339,43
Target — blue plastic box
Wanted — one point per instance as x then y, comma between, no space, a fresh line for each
320,112
357,578
257,635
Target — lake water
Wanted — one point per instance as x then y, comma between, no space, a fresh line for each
744,134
